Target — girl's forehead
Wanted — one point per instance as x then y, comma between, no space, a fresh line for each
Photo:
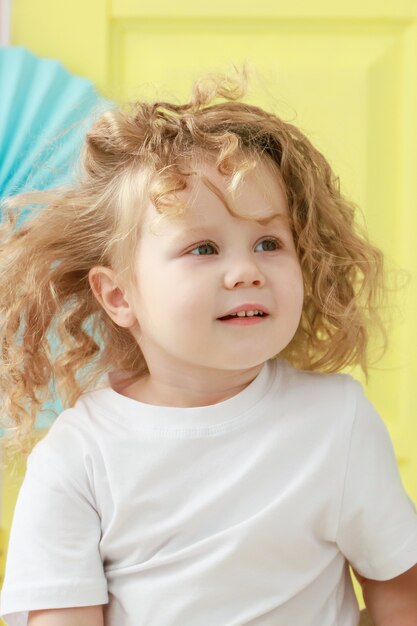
213,218
259,194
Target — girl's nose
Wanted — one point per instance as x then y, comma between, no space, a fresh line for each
243,272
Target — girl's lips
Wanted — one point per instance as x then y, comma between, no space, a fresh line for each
247,307
244,321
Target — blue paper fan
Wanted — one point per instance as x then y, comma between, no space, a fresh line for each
45,112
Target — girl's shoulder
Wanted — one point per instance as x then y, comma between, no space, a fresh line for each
307,383
335,401
64,452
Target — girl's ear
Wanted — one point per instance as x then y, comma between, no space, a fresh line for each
104,285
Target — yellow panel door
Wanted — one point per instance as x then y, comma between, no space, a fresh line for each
345,73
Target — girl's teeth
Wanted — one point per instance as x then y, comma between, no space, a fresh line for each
245,313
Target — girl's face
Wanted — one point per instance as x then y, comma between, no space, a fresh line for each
193,270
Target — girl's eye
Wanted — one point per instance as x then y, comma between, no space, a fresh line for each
270,245
203,246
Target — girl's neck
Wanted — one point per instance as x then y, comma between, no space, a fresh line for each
187,393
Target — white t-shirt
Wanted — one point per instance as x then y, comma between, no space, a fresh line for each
242,512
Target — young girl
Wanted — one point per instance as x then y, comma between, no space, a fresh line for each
207,283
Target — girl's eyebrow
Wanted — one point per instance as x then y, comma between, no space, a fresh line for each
191,230
281,217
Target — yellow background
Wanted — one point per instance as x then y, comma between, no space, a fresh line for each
344,72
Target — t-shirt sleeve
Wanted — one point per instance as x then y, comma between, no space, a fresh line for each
53,558
377,529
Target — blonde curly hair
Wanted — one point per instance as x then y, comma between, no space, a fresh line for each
132,153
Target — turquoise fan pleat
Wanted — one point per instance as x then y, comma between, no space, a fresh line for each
45,112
